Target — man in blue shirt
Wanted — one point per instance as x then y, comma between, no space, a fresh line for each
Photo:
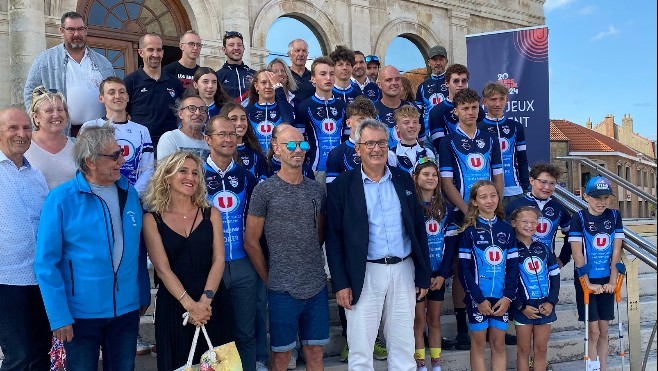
390,83
359,77
298,54
235,76
344,88
433,90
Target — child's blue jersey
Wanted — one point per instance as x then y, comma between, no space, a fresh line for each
441,240
323,123
275,166
430,93
386,115
597,234
539,274
553,215
347,95
467,160
229,191
406,157
253,161
488,260
264,117
443,121
341,159
511,136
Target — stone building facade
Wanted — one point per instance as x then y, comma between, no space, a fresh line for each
29,26
624,134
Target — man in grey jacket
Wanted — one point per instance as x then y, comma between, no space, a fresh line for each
73,69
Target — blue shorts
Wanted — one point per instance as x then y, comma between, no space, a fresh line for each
478,321
521,319
289,315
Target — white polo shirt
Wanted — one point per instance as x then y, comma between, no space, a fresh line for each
82,82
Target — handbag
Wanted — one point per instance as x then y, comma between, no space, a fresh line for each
222,358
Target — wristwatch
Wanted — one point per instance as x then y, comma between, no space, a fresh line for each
209,294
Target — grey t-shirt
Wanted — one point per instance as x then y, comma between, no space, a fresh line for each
291,213
110,195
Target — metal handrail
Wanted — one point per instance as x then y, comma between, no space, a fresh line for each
613,177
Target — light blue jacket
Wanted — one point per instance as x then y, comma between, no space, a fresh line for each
73,262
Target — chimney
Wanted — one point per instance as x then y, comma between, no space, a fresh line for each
627,123
589,123
609,126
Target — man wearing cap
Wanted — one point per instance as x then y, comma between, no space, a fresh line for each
298,54
235,76
359,77
372,67
433,90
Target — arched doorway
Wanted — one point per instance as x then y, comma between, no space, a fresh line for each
115,27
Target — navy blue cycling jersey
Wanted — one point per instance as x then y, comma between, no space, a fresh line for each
347,95
264,117
467,160
442,242
275,166
539,274
213,110
369,89
229,191
430,93
511,137
443,121
597,233
387,116
236,80
341,159
553,215
323,123
406,157
254,161
488,260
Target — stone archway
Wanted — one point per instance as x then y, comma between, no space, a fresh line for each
410,29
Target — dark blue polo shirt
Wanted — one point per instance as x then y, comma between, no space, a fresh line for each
151,102
305,88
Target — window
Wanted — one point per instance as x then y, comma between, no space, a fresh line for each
627,175
619,170
638,179
153,16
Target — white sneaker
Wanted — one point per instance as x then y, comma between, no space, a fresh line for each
260,366
594,365
292,364
142,347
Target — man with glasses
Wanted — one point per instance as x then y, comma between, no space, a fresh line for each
290,210
298,54
433,90
152,93
390,83
229,190
184,68
377,251
193,114
73,69
235,76
372,67
359,77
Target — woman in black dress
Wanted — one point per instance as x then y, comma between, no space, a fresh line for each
184,239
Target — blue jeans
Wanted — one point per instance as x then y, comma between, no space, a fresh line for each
262,353
25,336
117,336
241,280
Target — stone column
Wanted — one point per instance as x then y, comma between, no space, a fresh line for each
27,37
458,29
360,38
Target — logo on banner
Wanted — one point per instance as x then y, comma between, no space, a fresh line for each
475,161
127,149
601,241
226,201
544,227
493,255
265,128
432,227
533,265
329,126
509,83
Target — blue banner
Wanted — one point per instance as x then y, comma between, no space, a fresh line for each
519,60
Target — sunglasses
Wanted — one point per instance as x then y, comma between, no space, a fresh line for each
372,58
229,34
423,160
113,156
292,145
41,91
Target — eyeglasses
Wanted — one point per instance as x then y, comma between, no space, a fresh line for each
546,183
193,109
229,34
370,144
113,156
73,30
528,222
292,145
192,44
224,134
372,58
458,81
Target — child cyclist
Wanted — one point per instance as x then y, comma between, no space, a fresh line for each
596,235
538,289
441,239
488,271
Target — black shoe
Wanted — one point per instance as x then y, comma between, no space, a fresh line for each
447,344
510,339
463,342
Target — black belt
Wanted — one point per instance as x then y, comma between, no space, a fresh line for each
388,260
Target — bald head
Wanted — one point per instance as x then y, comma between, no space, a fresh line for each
389,81
287,133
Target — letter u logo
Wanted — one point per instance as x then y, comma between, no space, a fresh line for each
476,161
225,202
542,227
494,256
533,265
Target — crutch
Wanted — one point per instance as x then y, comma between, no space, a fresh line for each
621,268
581,273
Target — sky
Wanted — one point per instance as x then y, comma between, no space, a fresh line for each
592,44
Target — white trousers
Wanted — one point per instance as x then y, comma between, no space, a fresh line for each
389,294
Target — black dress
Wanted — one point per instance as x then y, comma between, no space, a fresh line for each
190,258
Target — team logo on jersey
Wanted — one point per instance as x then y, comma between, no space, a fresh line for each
432,227
504,144
466,146
334,111
127,149
533,265
506,129
591,227
601,241
272,115
245,160
265,128
226,201
329,126
479,143
544,227
436,98
233,180
509,83
607,224
549,211
171,92
493,255
475,161
502,237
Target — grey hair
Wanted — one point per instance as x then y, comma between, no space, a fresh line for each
369,124
291,85
90,142
293,42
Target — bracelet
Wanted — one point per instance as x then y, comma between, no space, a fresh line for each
277,85
182,296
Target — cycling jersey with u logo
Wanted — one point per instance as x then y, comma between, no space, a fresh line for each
597,234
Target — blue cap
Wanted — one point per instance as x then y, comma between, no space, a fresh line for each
598,186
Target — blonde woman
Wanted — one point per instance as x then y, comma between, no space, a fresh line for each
185,242
51,150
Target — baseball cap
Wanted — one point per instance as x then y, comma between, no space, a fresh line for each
438,50
372,59
598,186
